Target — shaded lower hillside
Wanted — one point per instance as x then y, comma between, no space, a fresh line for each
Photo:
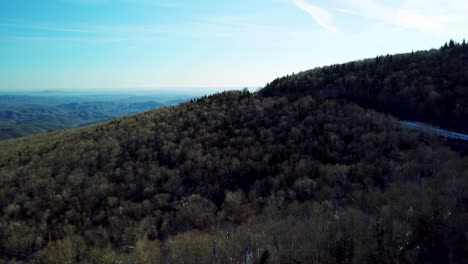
234,178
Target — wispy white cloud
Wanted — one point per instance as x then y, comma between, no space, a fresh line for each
81,32
436,17
48,27
233,28
93,40
93,2
163,3
321,16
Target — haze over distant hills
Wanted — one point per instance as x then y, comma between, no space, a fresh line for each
24,113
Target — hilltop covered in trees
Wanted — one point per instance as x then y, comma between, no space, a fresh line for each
235,178
429,86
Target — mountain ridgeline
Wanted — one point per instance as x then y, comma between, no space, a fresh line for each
286,175
429,86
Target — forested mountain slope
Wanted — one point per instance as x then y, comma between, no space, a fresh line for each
235,178
427,86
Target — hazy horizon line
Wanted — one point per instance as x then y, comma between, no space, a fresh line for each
174,90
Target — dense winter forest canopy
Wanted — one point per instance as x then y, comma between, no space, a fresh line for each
430,86
286,175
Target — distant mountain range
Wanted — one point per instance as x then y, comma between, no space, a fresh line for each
22,115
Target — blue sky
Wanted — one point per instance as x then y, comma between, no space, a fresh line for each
144,44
